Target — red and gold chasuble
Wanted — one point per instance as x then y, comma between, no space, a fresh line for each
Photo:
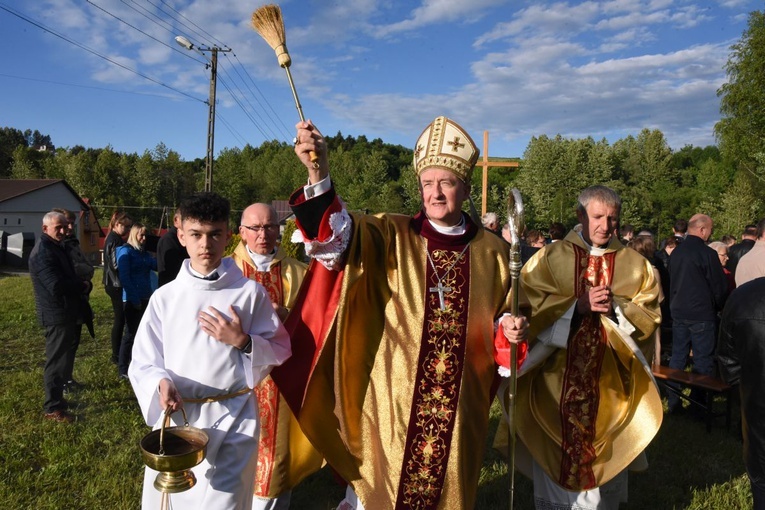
392,389
587,411
285,456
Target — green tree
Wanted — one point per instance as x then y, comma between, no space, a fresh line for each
643,176
553,173
104,183
232,178
734,208
26,163
10,139
741,131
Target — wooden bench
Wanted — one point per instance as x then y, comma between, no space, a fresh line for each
712,385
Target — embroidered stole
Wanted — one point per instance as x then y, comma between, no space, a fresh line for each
266,392
581,395
439,377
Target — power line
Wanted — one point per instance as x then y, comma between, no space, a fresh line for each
285,132
187,19
83,86
161,23
231,129
238,95
233,96
244,97
94,52
184,53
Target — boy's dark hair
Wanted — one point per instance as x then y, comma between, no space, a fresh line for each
205,207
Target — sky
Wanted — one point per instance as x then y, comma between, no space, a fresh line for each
103,73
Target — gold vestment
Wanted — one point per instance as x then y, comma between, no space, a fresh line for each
285,456
369,387
586,412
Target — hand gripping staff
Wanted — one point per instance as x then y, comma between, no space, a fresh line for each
516,224
267,21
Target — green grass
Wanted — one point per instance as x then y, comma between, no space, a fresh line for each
95,463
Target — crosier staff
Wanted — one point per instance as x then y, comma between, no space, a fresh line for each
516,224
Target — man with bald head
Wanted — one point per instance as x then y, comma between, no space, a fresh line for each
698,289
285,456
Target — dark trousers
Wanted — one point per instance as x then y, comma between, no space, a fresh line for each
133,316
115,294
758,493
701,336
58,361
73,352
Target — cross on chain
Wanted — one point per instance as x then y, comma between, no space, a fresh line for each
441,289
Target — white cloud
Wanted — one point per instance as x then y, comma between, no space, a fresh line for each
440,11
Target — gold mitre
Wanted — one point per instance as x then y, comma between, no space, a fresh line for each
444,144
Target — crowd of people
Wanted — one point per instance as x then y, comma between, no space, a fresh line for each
383,357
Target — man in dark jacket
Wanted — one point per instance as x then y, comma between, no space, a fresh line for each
697,292
84,271
170,253
742,361
738,250
58,292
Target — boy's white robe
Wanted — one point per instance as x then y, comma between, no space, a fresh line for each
171,344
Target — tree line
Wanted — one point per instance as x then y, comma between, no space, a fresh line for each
657,184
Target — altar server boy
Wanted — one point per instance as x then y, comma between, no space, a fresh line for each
206,339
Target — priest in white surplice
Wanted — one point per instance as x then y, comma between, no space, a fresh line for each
205,341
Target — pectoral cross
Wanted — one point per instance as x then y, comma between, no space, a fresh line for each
441,289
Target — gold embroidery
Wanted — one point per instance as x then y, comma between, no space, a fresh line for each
271,280
267,396
581,391
437,394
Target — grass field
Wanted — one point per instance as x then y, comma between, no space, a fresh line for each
96,463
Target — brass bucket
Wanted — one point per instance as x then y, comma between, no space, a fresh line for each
173,451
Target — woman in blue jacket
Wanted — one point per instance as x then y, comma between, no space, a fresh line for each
135,265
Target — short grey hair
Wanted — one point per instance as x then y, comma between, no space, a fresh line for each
51,215
598,193
489,217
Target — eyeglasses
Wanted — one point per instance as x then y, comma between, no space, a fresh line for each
269,229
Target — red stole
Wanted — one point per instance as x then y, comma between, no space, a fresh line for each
439,374
581,394
266,392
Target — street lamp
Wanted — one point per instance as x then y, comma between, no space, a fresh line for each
213,84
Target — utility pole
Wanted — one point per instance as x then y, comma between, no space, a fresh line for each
211,119
213,65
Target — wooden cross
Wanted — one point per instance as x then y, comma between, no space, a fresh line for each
485,165
441,289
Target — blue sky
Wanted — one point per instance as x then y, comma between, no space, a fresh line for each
380,68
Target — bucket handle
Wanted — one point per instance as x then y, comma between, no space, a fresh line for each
165,421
